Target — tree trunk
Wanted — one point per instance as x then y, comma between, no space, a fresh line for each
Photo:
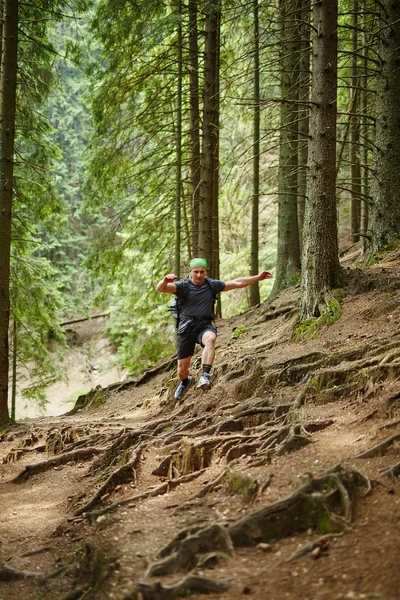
178,186
355,169
194,125
304,109
255,289
215,211
288,255
321,270
364,135
14,369
7,136
210,135
385,207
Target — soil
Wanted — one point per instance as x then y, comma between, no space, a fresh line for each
273,484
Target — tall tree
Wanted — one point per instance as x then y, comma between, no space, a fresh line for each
304,108
288,256
255,205
178,181
365,126
355,167
194,115
8,83
320,267
385,207
210,133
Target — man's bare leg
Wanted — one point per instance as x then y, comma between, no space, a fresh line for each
208,340
183,373
183,367
207,359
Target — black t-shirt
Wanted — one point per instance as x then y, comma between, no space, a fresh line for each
198,300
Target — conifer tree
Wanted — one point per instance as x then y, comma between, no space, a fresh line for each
385,206
321,270
8,83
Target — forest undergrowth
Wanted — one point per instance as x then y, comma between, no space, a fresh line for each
280,482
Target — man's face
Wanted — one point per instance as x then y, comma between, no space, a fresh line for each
198,275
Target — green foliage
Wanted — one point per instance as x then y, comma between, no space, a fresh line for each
237,332
310,327
34,312
132,170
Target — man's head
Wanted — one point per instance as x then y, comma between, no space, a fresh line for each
198,270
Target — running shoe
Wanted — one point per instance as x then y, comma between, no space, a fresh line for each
204,382
181,389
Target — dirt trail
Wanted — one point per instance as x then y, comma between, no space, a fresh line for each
254,488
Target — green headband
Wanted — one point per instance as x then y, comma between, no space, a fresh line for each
197,262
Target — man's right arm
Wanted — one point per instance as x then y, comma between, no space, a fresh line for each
166,284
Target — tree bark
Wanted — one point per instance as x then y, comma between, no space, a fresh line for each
321,269
288,255
7,135
178,178
385,207
210,134
355,168
215,210
255,289
364,132
194,125
304,109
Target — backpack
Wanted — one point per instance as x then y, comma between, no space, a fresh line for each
176,304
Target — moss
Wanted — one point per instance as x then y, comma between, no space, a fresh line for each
309,328
242,484
98,399
237,332
324,525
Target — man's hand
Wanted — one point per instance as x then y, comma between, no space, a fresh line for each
167,284
264,275
170,277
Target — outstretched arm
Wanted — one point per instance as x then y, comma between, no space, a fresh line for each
241,282
166,285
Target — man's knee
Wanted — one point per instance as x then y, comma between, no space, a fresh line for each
209,339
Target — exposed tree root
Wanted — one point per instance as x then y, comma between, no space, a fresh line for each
329,376
164,488
392,472
322,504
182,552
210,486
8,573
17,453
380,449
90,571
321,542
117,450
60,459
190,585
121,475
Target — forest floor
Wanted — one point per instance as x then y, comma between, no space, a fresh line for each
282,481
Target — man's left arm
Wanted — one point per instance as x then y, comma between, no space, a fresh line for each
241,282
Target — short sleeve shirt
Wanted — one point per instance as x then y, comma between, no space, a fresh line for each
198,299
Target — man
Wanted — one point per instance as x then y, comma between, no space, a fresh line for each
196,322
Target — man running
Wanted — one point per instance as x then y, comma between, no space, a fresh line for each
197,295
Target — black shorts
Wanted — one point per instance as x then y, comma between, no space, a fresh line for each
188,339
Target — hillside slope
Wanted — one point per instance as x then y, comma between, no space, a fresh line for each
280,482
